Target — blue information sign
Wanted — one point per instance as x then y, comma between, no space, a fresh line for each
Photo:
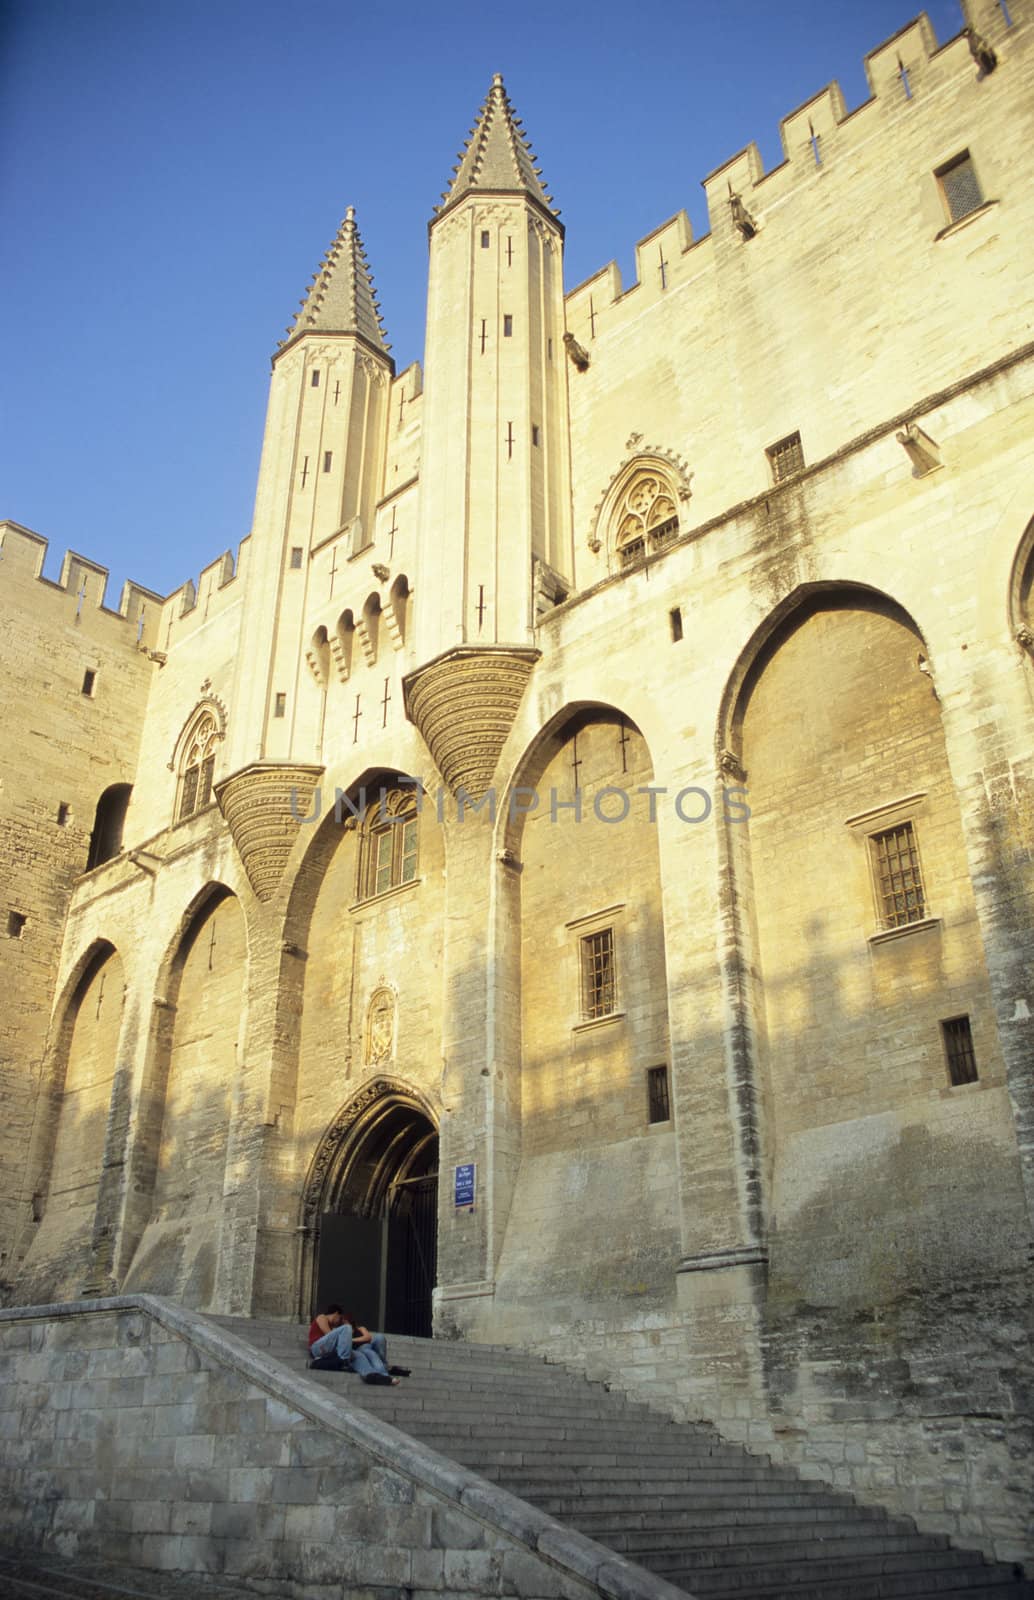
466,1179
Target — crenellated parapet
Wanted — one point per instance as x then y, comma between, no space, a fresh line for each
905,73
218,588
82,584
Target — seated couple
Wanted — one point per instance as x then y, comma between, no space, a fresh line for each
337,1343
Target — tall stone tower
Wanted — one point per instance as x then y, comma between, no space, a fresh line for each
321,463
495,477
320,474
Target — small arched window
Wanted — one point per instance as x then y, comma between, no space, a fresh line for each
318,657
400,605
646,516
389,855
197,766
371,626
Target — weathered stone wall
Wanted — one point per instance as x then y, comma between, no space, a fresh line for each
62,749
595,1211
132,1432
180,1247
73,1120
818,1168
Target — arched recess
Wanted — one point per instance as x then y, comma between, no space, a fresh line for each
851,949
109,821
1021,592
581,992
171,1235
346,944
67,1148
369,1209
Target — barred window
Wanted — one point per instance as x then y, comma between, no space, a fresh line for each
898,877
960,187
598,987
958,1049
657,1093
786,457
198,767
389,857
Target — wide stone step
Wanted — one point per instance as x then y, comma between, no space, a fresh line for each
831,1580
618,1487
877,1554
515,1445
737,1523
699,1511
727,1544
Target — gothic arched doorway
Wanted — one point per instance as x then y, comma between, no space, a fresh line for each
370,1212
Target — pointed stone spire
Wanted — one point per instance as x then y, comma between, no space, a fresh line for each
341,296
497,156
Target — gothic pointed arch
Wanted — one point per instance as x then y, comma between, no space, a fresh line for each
349,1128
373,1182
1021,592
643,506
195,1048
849,933
67,1148
195,756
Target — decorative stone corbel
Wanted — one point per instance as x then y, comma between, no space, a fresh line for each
741,217
923,452
577,353
729,765
1025,639
983,53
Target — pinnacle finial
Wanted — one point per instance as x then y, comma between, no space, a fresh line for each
341,297
497,155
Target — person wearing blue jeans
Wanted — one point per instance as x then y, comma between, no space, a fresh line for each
335,1336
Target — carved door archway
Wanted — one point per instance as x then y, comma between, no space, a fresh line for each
370,1209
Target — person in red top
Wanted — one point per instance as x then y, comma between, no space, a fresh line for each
338,1343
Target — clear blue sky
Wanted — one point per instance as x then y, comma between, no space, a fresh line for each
172,171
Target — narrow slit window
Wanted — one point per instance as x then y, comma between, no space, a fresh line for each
280,706
598,988
958,1049
296,556
658,1098
486,239
16,921
507,327
786,457
63,812
959,186
328,459
534,433
900,898
675,619
315,379
89,682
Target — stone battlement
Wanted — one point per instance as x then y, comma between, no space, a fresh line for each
82,581
906,74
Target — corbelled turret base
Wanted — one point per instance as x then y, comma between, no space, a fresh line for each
464,703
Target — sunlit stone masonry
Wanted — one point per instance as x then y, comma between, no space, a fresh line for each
566,880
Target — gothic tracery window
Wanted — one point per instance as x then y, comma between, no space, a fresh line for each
646,515
197,766
389,856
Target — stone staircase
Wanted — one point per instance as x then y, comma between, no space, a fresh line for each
675,1498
